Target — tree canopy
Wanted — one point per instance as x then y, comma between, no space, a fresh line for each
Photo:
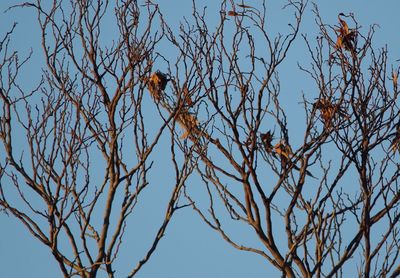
134,119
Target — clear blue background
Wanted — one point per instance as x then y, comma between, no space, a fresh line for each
190,249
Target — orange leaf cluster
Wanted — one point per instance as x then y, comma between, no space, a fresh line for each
328,111
189,123
156,84
283,150
286,155
395,76
396,141
346,37
395,145
186,96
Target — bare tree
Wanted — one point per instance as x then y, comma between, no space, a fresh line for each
317,202
313,204
89,144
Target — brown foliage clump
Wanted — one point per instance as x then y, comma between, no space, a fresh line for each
346,37
266,139
328,111
189,123
156,84
396,141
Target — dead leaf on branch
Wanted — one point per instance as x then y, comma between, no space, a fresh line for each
286,155
346,37
156,84
328,111
283,150
395,146
243,6
189,123
187,99
266,139
395,76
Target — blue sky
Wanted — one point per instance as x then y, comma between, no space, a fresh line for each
190,248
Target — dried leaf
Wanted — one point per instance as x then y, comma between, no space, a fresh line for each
157,83
189,123
345,27
266,139
395,76
339,42
328,111
395,146
161,80
186,96
285,151
349,41
346,37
